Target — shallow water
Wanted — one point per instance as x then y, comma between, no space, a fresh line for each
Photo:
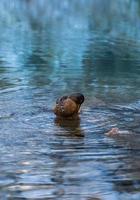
48,49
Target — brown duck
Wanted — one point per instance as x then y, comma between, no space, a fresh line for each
68,106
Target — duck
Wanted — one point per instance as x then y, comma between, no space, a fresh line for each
68,106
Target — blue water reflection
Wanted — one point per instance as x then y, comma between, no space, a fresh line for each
49,48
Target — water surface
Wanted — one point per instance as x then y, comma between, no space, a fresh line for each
50,48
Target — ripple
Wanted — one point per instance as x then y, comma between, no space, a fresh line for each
5,181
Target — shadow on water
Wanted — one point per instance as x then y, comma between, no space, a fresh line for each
49,48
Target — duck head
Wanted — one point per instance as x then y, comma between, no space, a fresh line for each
78,98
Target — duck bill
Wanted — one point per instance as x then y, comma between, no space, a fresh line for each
79,108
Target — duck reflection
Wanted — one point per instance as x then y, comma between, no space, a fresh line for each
71,126
65,155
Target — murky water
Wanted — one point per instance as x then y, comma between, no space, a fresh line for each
49,48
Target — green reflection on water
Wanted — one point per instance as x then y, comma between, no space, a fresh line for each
70,45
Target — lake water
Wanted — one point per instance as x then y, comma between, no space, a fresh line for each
49,48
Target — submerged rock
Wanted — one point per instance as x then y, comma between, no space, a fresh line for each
117,132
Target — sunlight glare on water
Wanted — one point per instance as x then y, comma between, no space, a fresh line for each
49,48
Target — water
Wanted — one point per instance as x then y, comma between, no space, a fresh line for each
49,48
